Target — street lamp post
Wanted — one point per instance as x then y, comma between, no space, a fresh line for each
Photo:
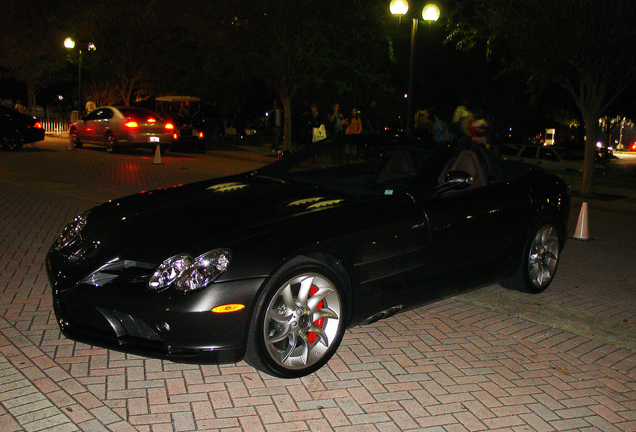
70,44
429,13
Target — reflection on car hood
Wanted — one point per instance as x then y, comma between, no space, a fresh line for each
202,215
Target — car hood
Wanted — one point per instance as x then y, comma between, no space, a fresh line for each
157,224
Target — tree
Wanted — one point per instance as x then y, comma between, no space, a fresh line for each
295,44
588,47
24,53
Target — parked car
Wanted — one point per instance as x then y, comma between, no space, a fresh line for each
549,157
17,129
273,265
603,152
185,113
116,127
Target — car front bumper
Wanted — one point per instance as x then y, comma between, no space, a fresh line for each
130,318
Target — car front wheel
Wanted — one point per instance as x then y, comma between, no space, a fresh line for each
13,140
298,323
539,261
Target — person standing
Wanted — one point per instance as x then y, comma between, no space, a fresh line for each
316,125
19,107
462,118
334,126
90,105
353,123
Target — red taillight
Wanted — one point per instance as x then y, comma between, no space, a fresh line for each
131,124
169,126
152,120
38,125
201,135
175,136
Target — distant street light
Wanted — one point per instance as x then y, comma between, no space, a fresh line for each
430,13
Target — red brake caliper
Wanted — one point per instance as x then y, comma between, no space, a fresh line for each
313,336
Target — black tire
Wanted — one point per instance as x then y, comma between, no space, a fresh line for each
298,322
110,141
540,259
73,136
13,140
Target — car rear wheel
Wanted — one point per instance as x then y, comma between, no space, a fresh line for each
13,140
539,261
74,138
110,141
298,323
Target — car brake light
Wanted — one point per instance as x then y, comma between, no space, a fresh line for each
131,124
169,126
152,120
38,125
201,135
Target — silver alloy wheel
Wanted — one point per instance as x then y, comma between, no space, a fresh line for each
302,321
544,256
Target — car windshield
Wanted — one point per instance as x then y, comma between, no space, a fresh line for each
360,166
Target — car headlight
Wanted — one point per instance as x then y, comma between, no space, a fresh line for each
187,273
71,232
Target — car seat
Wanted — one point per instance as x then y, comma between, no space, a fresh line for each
469,162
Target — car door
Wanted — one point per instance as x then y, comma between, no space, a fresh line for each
387,244
550,159
86,127
101,123
473,231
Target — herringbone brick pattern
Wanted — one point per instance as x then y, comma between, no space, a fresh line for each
448,366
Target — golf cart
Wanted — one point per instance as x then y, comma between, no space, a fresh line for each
185,112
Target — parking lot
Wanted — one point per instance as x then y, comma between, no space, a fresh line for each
489,360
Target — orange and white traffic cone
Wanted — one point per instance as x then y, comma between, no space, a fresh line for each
581,232
157,155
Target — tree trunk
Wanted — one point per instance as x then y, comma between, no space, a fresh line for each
31,102
588,186
287,138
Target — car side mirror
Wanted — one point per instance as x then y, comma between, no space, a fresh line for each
455,180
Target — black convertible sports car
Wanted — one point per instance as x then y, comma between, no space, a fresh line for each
273,265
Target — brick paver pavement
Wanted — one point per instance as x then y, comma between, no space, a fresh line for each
460,364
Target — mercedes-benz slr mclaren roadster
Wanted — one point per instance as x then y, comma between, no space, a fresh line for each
275,264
